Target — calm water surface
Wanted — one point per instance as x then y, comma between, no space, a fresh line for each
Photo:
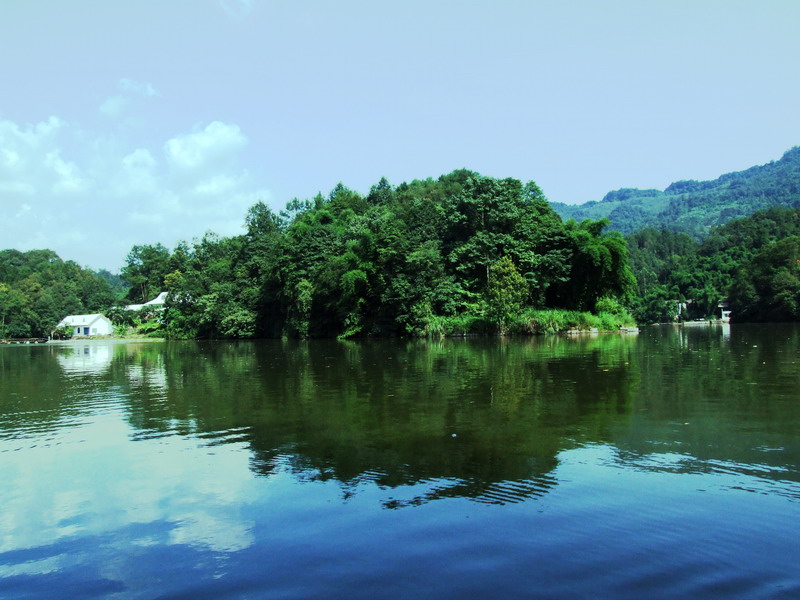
664,465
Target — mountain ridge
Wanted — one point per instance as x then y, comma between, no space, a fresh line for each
694,207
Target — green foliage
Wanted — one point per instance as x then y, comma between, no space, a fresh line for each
301,308
240,323
151,328
412,260
599,267
768,289
506,292
459,255
38,289
144,271
611,306
119,315
695,207
62,333
118,286
555,320
748,261
461,325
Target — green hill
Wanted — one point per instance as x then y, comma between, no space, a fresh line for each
694,207
38,289
753,262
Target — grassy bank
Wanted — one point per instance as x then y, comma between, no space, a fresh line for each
529,322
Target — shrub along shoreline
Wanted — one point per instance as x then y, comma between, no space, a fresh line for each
529,322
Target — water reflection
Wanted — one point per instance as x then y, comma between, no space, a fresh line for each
472,417
86,359
202,457
484,419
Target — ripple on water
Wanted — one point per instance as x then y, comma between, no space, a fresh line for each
59,425
233,435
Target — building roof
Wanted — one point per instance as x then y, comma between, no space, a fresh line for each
158,300
79,320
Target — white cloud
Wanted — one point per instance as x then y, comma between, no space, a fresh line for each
139,159
10,158
68,178
139,486
129,92
31,169
43,131
139,172
218,141
16,140
91,196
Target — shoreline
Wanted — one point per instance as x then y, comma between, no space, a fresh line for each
90,339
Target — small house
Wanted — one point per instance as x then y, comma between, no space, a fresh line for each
81,325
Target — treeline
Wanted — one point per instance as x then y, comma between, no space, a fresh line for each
753,263
695,207
38,289
461,254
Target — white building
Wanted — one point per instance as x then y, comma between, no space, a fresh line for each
157,302
95,324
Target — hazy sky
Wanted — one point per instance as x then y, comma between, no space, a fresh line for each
155,121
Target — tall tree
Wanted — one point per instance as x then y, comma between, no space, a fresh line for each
145,268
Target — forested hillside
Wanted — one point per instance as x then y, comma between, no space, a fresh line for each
694,207
753,262
38,289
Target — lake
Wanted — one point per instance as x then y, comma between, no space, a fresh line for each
659,465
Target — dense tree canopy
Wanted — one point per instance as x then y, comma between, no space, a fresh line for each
749,262
768,288
461,253
38,289
394,262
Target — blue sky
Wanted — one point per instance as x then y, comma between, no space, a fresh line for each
154,121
